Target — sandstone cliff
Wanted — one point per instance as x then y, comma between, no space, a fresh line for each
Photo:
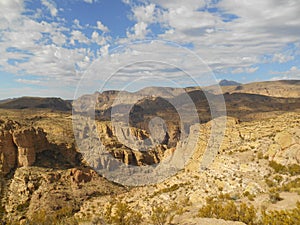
19,145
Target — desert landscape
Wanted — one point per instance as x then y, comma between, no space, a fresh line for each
253,179
149,112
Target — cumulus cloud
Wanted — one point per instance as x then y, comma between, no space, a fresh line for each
78,36
292,74
138,31
238,34
101,27
88,1
229,35
51,7
40,49
282,58
77,24
144,13
244,70
10,12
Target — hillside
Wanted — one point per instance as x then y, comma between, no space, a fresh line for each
48,177
281,88
36,103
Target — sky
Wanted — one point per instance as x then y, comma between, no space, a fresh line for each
49,47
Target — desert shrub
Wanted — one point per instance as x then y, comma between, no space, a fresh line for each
159,215
282,217
165,214
249,196
2,212
121,214
270,183
98,221
168,189
224,196
248,214
293,169
228,210
59,217
278,168
274,196
260,155
292,185
278,178
23,207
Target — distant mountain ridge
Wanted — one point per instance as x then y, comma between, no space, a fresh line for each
228,83
36,103
279,88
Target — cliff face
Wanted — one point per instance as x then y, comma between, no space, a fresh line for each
19,145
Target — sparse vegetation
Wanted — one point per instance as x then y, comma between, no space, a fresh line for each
228,210
119,213
282,217
292,186
159,215
274,196
63,216
293,169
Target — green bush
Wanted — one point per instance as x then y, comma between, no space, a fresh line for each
274,196
293,169
282,217
121,214
292,185
159,215
228,210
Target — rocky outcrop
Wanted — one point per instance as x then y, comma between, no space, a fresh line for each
19,145
81,176
29,142
35,189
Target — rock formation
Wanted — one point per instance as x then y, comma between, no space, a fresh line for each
19,145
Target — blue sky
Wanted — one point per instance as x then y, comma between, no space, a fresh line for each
46,46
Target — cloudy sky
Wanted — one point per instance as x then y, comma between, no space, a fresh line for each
47,45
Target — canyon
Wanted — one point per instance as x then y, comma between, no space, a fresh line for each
46,172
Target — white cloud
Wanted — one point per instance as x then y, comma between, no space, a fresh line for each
25,81
259,28
77,24
51,7
10,12
292,74
258,33
101,27
251,69
139,31
104,50
35,48
282,58
78,36
244,70
175,4
145,14
88,1
128,2
98,39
